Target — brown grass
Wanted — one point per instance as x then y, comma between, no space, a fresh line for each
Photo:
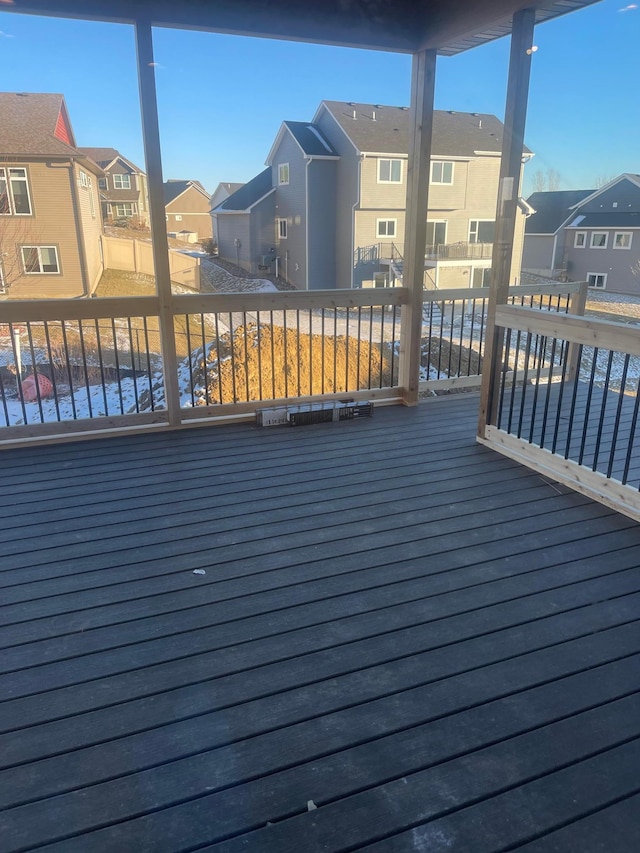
267,366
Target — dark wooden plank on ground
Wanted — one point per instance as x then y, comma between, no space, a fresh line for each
416,649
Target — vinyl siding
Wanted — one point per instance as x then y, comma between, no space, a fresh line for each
346,170
263,242
230,227
91,227
52,224
290,204
381,196
615,263
193,207
321,182
537,252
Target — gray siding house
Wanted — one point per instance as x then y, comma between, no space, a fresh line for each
587,235
220,194
245,224
340,186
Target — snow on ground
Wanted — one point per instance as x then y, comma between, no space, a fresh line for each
132,394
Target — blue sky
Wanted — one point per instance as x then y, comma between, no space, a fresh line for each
222,98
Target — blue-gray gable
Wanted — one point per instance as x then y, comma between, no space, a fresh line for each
248,194
311,139
552,209
622,196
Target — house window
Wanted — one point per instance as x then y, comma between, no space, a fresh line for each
389,171
102,184
481,230
282,228
481,277
386,227
178,217
40,260
580,239
442,173
622,240
126,208
84,179
436,233
14,192
283,174
122,182
599,240
381,279
597,280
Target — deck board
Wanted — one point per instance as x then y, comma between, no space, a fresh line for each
425,639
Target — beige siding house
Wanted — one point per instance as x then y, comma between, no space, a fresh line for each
50,219
123,187
187,209
359,217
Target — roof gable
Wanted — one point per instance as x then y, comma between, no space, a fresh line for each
108,157
248,195
383,129
309,139
35,124
552,209
631,179
174,188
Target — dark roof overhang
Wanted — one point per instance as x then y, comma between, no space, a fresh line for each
448,26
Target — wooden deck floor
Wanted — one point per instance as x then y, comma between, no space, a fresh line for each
370,636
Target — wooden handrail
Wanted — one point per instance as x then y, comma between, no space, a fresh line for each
605,334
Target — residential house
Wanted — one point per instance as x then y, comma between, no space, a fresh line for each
246,224
50,222
123,189
587,235
220,194
187,207
340,184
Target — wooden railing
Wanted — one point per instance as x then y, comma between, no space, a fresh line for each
580,427
91,367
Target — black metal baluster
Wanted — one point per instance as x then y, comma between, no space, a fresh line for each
603,406
616,425
68,365
585,427
217,324
54,384
205,361
117,361
190,357
101,365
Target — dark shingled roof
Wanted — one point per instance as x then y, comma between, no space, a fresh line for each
104,156
27,125
552,209
173,188
248,194
311,139
454,134
619,219
230,186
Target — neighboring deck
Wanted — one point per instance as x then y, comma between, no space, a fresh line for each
433,645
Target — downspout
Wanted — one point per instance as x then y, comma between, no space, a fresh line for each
79,232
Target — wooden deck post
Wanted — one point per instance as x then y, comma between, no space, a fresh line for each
577,307
506,211
422,93
151,139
